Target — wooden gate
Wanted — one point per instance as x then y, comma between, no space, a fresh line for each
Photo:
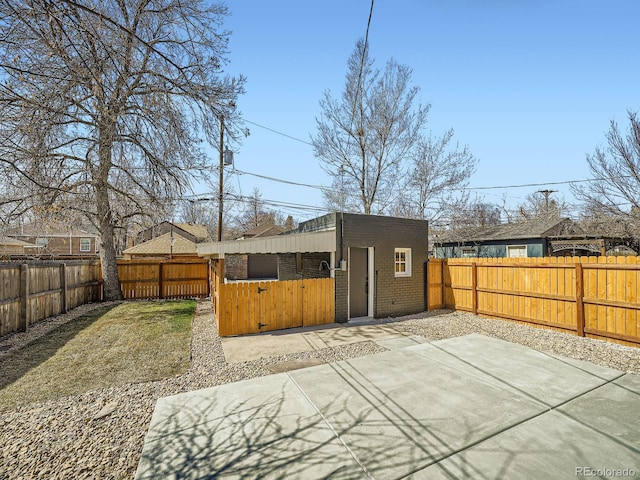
254,307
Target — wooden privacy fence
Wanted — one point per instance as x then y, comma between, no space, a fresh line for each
596,297
163,279
253,307
31,292
34,291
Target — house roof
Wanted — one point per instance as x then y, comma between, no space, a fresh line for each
162,246
541,228
13,242
197,230
297,242
263,230
43,229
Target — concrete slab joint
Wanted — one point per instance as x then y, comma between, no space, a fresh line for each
465,407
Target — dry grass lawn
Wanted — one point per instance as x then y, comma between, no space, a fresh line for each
125,343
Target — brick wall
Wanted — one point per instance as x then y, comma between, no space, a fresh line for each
342,289
393,295
236,267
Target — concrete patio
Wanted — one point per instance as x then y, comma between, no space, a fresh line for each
465,407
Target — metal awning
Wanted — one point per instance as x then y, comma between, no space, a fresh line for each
324,241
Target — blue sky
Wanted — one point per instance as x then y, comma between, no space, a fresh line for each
529,86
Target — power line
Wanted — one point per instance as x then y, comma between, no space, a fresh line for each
245,199
279,133
281,180
278,203
497,187
524,185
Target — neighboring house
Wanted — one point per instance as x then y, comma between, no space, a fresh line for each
532,238
263,230
244,267
378,262
163,247
13,247
58,240
194,232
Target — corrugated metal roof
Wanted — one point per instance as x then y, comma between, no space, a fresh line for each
297,242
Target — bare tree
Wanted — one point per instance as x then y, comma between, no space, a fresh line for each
436,177
541,205
365,134
476,214
625,227
615,168
105,105
255,212
199,212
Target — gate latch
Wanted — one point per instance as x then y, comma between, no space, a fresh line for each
260,290
260,325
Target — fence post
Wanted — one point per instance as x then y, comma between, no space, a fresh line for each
160,280
443,289
63,288
579,299
24,298
209,278
474,287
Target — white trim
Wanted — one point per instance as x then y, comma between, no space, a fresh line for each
348,283
468,252
518,248
371,267
406,262
86,240
332,262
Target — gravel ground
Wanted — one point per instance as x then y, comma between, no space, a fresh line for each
100,434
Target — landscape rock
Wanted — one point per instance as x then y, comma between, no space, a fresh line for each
106,410
60,439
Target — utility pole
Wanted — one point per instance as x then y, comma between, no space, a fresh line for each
221,179
546,194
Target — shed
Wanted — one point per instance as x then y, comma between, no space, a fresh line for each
375,264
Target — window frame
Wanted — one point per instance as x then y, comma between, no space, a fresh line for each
88,249
406,262
517,247
465,251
